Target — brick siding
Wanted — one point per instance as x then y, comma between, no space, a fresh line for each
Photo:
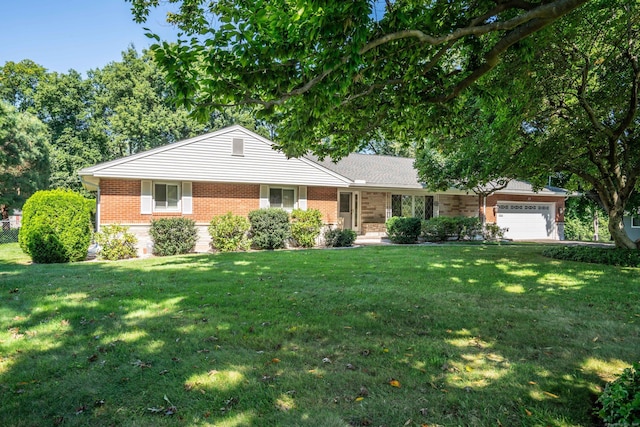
120,201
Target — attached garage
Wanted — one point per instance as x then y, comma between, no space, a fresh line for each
528,220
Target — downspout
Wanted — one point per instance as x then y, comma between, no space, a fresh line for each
98,211
484,210
86,184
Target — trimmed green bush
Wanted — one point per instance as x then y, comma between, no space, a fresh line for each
56,226
404,230
595,255
306,226
442,228
620,400
230,233
116,242
173,236
493,232
270,228
337,238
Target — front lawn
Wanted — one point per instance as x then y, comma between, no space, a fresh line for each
380,336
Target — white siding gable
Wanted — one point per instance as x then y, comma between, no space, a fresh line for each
210,158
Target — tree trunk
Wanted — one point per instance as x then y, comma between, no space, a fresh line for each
618,233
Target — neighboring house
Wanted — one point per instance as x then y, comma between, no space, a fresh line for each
632,226
235,170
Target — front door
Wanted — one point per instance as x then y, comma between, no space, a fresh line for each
348,207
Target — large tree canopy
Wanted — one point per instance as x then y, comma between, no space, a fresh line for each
572,108
334,74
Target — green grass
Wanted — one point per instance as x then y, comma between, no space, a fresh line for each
475,336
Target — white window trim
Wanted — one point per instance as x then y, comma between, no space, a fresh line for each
280,187
178,208
635,226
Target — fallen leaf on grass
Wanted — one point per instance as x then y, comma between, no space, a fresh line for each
275,360
555,396
394,383
140,364
528,412
359,398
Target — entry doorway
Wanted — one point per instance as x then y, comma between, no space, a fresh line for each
349,209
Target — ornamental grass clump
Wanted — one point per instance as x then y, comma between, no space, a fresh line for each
56,226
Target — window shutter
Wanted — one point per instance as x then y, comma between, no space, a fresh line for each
187,199
302,197
264,196
146,197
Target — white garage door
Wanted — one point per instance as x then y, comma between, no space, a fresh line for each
527,220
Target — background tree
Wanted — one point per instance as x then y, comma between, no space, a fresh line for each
19,82
64,103
118,110
24,156
132,107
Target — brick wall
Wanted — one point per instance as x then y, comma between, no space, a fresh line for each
493,199
325,199
120,201
457,205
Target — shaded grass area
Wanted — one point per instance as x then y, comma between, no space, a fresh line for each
474,336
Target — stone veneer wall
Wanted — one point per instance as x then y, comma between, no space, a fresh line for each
373,209
458,205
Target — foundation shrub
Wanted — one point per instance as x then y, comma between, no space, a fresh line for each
270,228
116,242
230,233
337,238
173,236
493,232
442,228
306,227
404,230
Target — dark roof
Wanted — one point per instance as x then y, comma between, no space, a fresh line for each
375,170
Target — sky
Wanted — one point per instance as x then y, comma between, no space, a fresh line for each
73,34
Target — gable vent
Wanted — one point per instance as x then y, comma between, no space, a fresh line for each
238,147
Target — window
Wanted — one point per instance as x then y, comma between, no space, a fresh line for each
282,198
166,197
635,222
412,206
